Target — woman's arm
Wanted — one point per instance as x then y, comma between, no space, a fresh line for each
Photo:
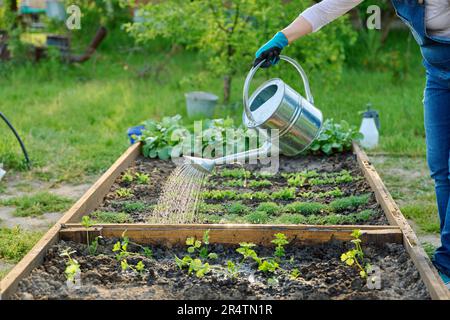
310,20
317,16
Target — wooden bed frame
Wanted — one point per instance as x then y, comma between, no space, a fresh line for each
69,228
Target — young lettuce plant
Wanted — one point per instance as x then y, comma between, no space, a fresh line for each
280,241
356,255
196,264
72,265
142,178
122,254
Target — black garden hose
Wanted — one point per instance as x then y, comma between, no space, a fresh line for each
24,150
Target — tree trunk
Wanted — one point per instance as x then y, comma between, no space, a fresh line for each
226,89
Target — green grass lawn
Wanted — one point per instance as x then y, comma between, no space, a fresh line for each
74,118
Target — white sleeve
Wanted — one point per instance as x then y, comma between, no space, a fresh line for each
326,11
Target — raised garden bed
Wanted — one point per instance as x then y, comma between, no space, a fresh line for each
304,271
306,190
381,240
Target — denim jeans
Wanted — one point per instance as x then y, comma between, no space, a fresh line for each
437,128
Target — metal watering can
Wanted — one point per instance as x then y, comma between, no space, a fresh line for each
274,105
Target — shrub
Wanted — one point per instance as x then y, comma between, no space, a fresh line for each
228,34
351,202
257,217
270,208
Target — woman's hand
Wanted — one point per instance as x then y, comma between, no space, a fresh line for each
271,51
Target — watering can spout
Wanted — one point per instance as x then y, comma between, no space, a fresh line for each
208,165
201,164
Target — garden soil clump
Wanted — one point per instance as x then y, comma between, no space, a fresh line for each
321,275
328,178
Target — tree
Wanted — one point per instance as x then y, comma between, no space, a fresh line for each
228,32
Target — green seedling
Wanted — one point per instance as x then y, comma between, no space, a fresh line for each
210,208
259,183
237,208
264,174
127,177
284,194
295,273
245,249
120,249
232,269
110,217
268,266
86,222
356,255
93,246
280,241
259,195
234,183
72,265
219,194
134,206
297,181
270,208
235,173
305,208
351,202
257,217
142,178
193,265
124,192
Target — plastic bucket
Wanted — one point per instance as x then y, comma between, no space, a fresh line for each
200,104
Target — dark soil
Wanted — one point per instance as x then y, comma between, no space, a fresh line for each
322,276
147,195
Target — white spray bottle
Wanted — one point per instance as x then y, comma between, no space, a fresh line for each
370,127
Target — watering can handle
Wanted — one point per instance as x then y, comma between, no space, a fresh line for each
252,72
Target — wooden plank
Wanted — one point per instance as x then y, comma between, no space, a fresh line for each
89,201
395,217
232,234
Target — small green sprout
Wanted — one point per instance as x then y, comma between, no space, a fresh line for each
295,273
356,255
270,208
93,246
127,177
259,183
72,265
86,222
122,253
124,192
245,249
269,265
142,178
232,269
280,241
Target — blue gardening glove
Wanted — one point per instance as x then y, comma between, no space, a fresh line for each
271,51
